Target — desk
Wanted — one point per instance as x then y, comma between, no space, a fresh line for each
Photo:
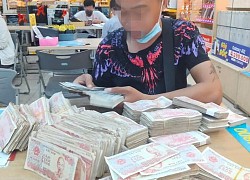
222,142
27,28
19,28
94,42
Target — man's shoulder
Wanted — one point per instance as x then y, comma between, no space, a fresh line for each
98,13
80,14
179,24
115,38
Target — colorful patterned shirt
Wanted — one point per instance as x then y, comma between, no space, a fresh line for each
115,66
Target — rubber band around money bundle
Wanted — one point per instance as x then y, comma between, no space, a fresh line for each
235,178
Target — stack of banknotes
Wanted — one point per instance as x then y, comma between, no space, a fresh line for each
134,110
98,97
171,121
75,147
215,117
210,109
154,161
211,124
195,138
236,119
18,122
165,158
137,134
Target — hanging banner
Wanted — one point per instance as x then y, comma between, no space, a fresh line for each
233,53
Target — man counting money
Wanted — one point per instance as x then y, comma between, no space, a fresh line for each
130,60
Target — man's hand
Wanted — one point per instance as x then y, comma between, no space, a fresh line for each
97,21
85,79
130,94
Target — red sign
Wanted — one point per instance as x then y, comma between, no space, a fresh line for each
208,41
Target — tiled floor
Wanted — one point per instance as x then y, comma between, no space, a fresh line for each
33,78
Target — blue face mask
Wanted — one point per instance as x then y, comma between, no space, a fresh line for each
156,29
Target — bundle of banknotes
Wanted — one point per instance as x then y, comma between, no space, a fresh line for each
18,122
98,97
75,147
210,109
174,157
195,138
236,119
171,121
137,134
219,167
211,124
154,161
134,110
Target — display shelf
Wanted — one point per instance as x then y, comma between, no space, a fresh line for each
102,3
204,14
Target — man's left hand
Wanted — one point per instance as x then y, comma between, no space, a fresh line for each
96,21
130,94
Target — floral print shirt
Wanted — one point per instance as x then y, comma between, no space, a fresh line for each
115,66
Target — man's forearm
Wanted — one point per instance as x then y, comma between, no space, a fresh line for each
204,92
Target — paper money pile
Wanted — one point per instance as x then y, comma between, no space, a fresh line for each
137,134
171,121
153,161
210,109
174,157
195,138
18,122
75,147
134,110
211,124
98,97
236,119
219,167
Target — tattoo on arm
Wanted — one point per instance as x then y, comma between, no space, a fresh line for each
213,73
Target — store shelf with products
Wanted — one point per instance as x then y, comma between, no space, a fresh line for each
203,13
102,3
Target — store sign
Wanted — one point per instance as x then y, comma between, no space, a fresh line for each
208,42
233,53
241,134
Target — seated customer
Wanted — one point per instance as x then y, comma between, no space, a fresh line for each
130,60
114,23
7,48
90,16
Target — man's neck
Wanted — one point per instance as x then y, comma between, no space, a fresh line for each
134,46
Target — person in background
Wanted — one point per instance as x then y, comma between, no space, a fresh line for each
89,15
114,23
7,48
129,61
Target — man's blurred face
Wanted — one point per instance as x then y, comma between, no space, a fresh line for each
138,17
89,10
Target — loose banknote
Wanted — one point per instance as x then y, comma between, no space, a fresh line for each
221,167
136,160
51,161
144,105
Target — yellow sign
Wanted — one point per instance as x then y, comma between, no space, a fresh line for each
32,18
